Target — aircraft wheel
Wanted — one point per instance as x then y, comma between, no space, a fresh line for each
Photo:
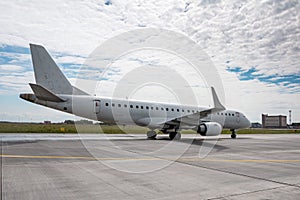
175,135
233,135
151,135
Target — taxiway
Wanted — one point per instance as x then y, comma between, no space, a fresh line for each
53,166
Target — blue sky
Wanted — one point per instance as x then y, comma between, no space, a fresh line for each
290,82
254,45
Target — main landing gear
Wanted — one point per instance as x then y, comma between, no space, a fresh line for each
233,134
175,135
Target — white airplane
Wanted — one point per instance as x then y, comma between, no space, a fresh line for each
52,89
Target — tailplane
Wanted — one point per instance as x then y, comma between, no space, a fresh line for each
44,94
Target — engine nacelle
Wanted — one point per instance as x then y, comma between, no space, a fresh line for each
209,129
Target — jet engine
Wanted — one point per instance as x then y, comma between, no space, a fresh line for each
209,129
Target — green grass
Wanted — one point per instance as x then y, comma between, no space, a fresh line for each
263,131
67,128
110,129
35,128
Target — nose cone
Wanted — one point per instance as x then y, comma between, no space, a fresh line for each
247,123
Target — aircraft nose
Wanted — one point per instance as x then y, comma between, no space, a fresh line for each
248,123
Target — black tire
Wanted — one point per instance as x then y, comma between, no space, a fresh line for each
175,135
151,135
233,135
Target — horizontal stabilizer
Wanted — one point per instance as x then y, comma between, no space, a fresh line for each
44,94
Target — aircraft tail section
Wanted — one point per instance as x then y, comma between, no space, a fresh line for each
48,75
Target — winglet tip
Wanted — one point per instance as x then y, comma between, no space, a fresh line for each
217,103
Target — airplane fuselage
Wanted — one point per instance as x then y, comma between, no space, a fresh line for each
142,113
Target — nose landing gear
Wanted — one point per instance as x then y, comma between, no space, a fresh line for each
233,134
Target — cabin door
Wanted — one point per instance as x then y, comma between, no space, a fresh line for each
96,106
238,119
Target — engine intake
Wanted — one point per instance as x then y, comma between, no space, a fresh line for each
209,129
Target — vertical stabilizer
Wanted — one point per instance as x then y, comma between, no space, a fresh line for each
47,73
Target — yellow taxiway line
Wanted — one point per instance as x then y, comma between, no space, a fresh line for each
182,159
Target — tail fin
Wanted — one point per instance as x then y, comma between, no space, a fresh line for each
48,75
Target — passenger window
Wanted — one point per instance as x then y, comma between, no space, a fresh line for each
177,110
147,107
119,105
193,111
137,106
232,114
167,109
106,104
156,108
113,105
188,111
142,107
131,106
125,105
226,114
182,110
221,113
172,109
151,108
162,108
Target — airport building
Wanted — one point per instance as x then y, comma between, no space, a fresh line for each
256,125
295,125
275,121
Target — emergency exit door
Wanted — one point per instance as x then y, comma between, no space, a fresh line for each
96,106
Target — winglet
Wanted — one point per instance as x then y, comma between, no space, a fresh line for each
217,102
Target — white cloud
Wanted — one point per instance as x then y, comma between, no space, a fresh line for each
10,68
16,82
69,59
260,34
16,57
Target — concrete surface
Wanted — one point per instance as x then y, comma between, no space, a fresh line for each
48,166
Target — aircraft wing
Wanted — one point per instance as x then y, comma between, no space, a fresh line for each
189,119
193,119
